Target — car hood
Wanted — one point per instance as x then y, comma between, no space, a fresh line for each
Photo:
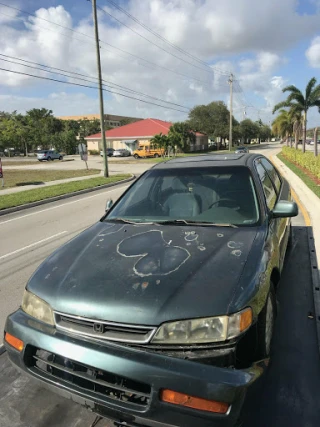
145,274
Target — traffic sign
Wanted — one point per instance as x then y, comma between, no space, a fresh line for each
82,149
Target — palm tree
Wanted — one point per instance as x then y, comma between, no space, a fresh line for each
296,118
160,141
282,125
301,102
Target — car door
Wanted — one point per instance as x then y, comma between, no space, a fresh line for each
284,193
274,190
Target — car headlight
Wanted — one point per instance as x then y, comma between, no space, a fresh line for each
37,308
204,331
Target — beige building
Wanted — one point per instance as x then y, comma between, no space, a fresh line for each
130,135
110,119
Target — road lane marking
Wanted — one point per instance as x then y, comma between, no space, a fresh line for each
59,206
32,244
303,210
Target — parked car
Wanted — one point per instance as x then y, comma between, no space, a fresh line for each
110,152
242,149
49,155
121,152
147,150
158,313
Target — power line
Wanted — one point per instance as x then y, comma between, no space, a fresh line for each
101,41
110,84
164,39
90,87
46,20
155,44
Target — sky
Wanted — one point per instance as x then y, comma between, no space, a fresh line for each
185,60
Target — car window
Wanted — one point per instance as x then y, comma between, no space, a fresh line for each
267,185
210,195
272,173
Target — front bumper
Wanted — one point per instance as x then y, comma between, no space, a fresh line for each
157,371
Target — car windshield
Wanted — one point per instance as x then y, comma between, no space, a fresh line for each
215,195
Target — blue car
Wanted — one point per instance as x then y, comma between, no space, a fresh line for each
49,155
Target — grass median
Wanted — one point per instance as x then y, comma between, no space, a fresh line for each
22,177
302,174
29,196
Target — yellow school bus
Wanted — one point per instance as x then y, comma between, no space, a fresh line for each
145,149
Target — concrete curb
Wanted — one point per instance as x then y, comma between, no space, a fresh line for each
63,196
2,349
315,280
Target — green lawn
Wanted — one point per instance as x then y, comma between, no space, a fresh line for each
21,177
29,196
301,174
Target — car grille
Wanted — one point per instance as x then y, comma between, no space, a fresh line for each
101,330
100,383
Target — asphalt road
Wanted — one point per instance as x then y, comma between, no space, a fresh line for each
116,166
287,395
29,236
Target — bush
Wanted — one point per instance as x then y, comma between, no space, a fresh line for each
306,160
94,152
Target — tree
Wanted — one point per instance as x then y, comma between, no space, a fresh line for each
73,125
37,119
249,130
65,141
181,135
162,142
89,127
212,119
295,115
126,121
14,131
283,125
264,132
302,102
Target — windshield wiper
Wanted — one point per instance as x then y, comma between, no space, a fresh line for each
121,220
191,222
129,221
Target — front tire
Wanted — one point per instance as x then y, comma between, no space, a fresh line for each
60,158
265,325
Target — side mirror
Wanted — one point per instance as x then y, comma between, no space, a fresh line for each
285,209
109,204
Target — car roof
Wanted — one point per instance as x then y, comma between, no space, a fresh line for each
209,160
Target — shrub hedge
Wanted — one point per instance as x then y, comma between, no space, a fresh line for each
306,160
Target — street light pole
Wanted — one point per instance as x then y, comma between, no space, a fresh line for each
230,81
103,135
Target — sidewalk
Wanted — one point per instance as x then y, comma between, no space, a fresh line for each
46,184
307,197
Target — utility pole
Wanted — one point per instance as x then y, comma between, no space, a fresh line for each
230,81
103,135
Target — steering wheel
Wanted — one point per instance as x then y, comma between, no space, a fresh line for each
224,199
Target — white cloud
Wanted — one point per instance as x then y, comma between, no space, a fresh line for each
313,53
206,28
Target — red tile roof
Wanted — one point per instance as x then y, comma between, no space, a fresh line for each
142,128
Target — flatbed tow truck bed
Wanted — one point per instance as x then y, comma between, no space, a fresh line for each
288,394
